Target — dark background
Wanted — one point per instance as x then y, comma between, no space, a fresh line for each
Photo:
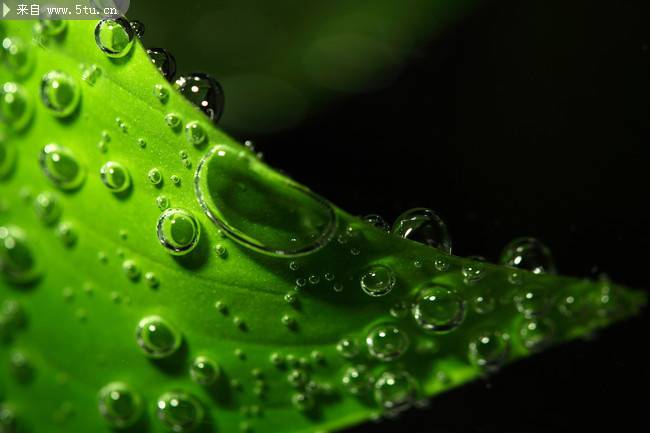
525,118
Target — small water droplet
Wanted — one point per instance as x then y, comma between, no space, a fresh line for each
164,61
357,380
395,391
114,37
377,221
151,279
60,93
120,405
8,419
424,226
161,93
154,176
302,401
15,105
204,371
530,254
173,120
194,133
378,280
47,207
61,167
484,303
490,349
387,342
203,91
142,143
157,338
347,347
438,309
115,176
17,261
472,272
162,202
178,231
536,334
17,56
179,412
90,74
532,301
131,270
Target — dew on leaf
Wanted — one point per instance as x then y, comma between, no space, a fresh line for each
47,207
387,342
17,55
204,371
347,347
138,28
178,231
161,92
490,349
529,254
120,406
60,93
532,301
90,74
157,338
194,133
114,37
424,226
377,221
115,176
53,26
173,120
535,334
395,391
17,261
438,309
15,105
203,91
179,412
164,61
378,280
61,167
357,380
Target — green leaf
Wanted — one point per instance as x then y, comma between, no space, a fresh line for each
254,274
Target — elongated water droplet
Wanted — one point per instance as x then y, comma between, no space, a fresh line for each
17,261
204,371
378,280
490,349
179,412
395,391
178,231
204,92
438,309
387,342
47,207
61,167
120,405
7,158
194,133
15,106
530,254
114,37
115,176
173,120
157,338
164,61
60,93
259,208
424,226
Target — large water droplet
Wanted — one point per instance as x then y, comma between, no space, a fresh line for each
438,309
164,61
424,226
179,411
60,93
61,167
17,56
258,207
15,106
114,37
204,92
204,371
490,349
157,338
530,254
387,342
120,405
378,280
115,176
395,391
17,261
178,231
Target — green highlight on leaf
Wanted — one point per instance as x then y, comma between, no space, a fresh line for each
157,276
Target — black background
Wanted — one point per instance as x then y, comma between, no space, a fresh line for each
526,118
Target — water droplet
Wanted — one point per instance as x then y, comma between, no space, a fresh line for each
61,167
173,120
115,176
154,176
490,349
157,338
151,279
161,92
178,231
142,143
194,133
532,301
15,105
162,202
484,304
179,411
53,26
472,272
17,262
377,221
290,298
287,218
164,61
302,401
378,280
120,405
399,309
297,378
131,270
438,309
203,91
395,391
7,159
357,380
424,226
21,367
60,93
17,56
288,321
8,420
47,207
441,265
90,74
536,334
204,371
530,254
387,342
114,37
347,348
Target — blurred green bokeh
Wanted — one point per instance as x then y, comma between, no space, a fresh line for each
281,61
